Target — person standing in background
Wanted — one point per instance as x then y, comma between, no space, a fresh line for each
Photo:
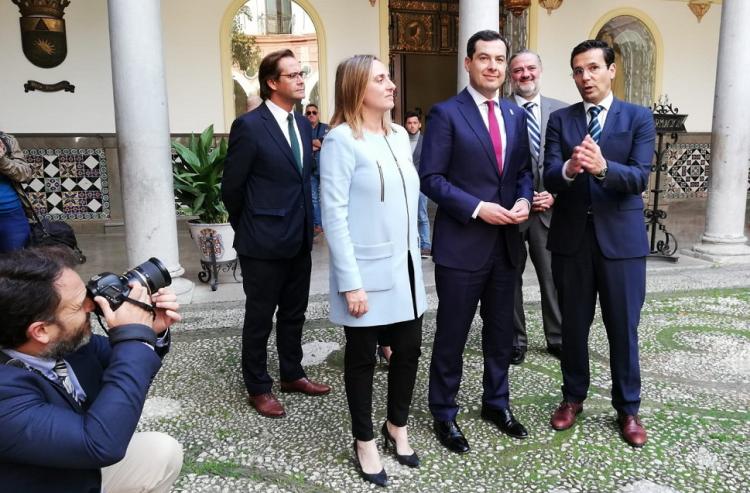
319,131
525,80
14,170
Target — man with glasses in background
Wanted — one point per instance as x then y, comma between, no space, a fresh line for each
266,190
319,131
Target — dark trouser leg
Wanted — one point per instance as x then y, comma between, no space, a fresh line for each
261,280
359,366
497,332
291,316
519,317
621,295
406,340
576,289
458,292
542,260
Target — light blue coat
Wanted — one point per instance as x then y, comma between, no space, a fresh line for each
369,208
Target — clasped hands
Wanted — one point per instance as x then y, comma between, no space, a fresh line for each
587,157
496,214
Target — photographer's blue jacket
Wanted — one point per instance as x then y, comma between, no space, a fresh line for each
48,442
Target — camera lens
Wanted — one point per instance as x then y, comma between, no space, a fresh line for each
151,274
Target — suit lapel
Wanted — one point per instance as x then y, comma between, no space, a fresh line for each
278,136
579,119
612,115
471,114
509,116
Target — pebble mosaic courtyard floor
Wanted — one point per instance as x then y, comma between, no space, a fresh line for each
695,360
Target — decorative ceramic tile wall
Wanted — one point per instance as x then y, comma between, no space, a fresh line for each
69,183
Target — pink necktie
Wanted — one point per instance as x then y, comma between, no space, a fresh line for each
497,143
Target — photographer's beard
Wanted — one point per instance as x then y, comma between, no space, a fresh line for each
68,342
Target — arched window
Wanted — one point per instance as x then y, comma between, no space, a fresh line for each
260,27
635,58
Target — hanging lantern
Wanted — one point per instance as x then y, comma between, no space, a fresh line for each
517,6
699,8
550,5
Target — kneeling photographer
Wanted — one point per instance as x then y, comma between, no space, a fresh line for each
69,400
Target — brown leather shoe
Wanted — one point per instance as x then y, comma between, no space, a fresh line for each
632,430
565,415
305,386
267,405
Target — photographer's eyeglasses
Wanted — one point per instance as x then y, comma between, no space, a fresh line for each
294,75
310,112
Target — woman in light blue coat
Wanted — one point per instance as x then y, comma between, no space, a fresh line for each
370,193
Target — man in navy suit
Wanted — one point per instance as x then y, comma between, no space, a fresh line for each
475,167
597,161
266,189
69,400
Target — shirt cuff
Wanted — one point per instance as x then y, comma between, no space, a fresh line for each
476,211
525,200
564,175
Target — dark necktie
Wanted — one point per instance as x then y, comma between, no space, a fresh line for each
535,136
497,142
61,370
293,142
594,129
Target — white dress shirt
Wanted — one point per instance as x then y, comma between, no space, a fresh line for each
481,103
280,115
536,109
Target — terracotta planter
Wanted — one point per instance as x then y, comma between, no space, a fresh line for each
223,235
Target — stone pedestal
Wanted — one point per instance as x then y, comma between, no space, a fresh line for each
142,122
473,16
724,239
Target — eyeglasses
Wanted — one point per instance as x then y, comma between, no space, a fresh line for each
294,75
312,112
593,70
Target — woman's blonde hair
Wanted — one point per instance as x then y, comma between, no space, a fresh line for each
352,77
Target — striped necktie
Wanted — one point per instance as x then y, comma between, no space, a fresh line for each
594,129
535,136
61,370
293,142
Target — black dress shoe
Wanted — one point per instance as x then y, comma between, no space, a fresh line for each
380,478
450,436
405,460
518,355
555,350
503,419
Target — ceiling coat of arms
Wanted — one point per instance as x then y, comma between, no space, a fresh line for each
43,31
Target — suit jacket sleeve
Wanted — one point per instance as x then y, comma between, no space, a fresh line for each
553,158
632,176
337,165
435,164
36,431
240,156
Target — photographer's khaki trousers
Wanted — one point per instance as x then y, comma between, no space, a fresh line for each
151,465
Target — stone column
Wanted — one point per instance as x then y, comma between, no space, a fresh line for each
142,123
724,239
473,16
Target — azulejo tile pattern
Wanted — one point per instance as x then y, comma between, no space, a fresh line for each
687,170
69,183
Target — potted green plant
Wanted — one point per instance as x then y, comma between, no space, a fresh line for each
197,172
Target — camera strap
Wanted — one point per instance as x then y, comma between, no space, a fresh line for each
145,306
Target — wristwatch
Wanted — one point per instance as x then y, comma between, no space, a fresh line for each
603,173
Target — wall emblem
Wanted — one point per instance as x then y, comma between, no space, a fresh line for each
43,31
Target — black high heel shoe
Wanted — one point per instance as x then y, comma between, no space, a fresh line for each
384,360
380,478
405,460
